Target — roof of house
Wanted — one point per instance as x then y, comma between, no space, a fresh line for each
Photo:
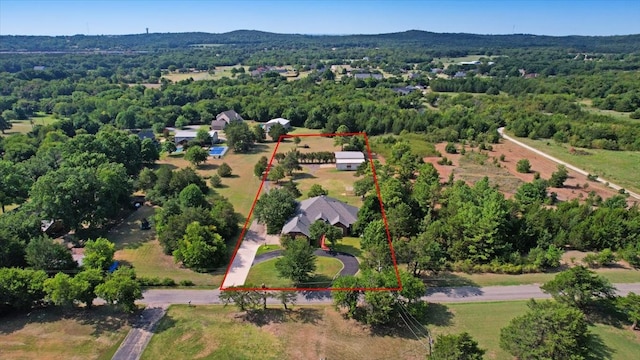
229,114
341,155
221,123
280,121
191,133
320,208
146,134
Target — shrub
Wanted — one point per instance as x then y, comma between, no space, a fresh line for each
187,283
155,281
523,166
502,157
215,181
592,177
224,170
450,148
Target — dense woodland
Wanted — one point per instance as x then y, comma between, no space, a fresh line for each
83,167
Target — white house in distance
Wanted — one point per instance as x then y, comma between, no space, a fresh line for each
284,122
349,160
184,136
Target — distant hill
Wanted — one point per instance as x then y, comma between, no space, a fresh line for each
253,38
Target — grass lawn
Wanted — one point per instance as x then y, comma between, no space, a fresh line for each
266,273
312,332
614,275
620,167
24,126
267,248
307,332
62,334
141,250
349,245
419,145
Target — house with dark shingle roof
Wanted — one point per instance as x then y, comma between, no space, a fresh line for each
229,116
323,208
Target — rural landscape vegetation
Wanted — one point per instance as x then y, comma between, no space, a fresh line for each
116,188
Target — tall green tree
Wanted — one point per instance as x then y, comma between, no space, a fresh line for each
196,155
630,305
277,130
192,196
298,262
239,137
261,166
85,283
14,184
579,287
548,330
339,140
44,254
21,289
4,124
559,177
149,152
201,248
317,190
456,347
98,254
121,288
274,209
60,289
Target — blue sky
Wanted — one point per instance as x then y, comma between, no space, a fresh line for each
102,17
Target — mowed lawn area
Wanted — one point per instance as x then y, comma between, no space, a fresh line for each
141,249
24,126
620,167
266,273
315,332
62,334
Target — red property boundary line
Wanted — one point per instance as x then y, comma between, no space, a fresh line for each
255,200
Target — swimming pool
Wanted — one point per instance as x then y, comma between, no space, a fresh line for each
218,151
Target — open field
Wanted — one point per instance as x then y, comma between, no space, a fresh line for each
620,167
62,334
219,73
312,332
419,145
141,250
266,273
24,126
587,105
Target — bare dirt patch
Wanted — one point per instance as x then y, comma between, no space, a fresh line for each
577,185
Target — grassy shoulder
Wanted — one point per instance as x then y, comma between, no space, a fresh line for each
620,167
614,275
60,334
266,273
311,332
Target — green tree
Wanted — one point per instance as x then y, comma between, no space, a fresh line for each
277,130
261,166
559,177
192,196
630,305
121,288
181,122
149,152
286,297
169,147
258,133
456,347
14,184
274,209
579,287
331,233
21,289
200,248
348,295
290,163
547,331
203,137
196,155
298,262
341,140
450,148
523,166
529,193
224,170
44,254
297,140
239,137
60,289
317,190
243,299
98,254
147,179
4,124
215,181
276,173
85,283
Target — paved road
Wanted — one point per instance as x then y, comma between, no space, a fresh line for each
349,262
138,338
574,168
437,295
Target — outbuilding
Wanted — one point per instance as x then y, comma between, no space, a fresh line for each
349,160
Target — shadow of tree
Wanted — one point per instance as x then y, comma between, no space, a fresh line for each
262,317
447,279
438,315
166,323
598,349
606,312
